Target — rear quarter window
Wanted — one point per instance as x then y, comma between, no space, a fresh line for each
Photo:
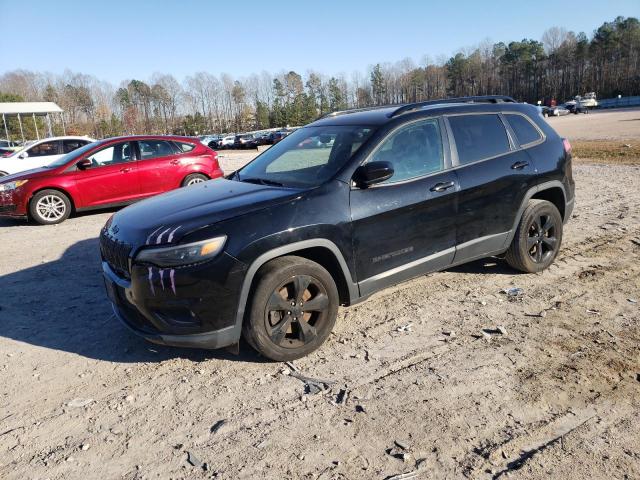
525,132
184,147
479,136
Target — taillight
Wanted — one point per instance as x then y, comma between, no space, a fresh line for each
567,145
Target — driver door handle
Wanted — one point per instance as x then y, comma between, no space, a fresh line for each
519,165
174,162
125,169
442,186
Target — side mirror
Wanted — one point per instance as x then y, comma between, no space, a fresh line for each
84,164
372,173
23,155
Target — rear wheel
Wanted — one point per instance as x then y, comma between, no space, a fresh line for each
293,308
538,237
48,207
193,179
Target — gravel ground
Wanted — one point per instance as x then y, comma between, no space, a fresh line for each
443,375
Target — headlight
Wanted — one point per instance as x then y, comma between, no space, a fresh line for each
178,255
6,187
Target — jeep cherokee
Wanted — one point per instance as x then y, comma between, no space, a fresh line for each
346,206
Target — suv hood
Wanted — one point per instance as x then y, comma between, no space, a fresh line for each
168,217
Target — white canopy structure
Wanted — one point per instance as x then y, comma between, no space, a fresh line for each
33,110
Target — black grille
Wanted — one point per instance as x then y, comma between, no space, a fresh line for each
115,253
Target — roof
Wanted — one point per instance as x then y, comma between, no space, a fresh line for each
28,108
383,115
65,137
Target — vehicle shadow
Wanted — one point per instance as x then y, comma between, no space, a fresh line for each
24,222
490,265
62,305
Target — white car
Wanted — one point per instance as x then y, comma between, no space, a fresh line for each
227,141
40,153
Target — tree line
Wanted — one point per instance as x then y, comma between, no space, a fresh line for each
559,66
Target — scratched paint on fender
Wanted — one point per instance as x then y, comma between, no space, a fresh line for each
153,290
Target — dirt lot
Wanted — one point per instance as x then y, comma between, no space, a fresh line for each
413,382
608,136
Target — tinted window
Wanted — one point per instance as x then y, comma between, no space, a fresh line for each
184,147
525,132
71,145
42,149
118,153
414,150
155,148
479,136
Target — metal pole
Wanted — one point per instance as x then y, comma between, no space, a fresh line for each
21,131
35,124
64,130
6,130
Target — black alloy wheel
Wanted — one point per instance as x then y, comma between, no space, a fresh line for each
295,311
293,308
537,239
542,241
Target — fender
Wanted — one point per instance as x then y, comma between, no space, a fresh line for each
284,250
530,193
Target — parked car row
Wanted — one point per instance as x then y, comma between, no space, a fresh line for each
70,174
243,141
566,108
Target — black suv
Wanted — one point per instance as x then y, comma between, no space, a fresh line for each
383,195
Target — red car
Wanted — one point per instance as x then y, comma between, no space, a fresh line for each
108,173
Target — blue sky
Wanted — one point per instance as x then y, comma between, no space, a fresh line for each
116,40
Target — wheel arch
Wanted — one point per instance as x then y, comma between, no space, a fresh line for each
59,189
321,251
193,172
555,195
553,191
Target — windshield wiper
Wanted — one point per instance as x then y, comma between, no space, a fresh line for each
262,181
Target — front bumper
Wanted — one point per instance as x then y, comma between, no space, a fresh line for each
192,306
12,204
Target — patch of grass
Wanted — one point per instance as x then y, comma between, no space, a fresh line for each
625,152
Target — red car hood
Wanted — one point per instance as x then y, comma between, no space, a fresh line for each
29,174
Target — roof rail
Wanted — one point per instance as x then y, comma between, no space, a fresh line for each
410,107
352,110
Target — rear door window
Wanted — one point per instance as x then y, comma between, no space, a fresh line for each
155,149
525,132
479,137
71,145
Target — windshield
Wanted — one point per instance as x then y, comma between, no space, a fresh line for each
71,155
307,157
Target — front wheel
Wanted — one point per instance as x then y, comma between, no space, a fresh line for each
537,240
49,207
193,179
293,308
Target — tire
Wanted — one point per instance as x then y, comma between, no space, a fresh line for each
538,237
49,207
194,178
281,331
